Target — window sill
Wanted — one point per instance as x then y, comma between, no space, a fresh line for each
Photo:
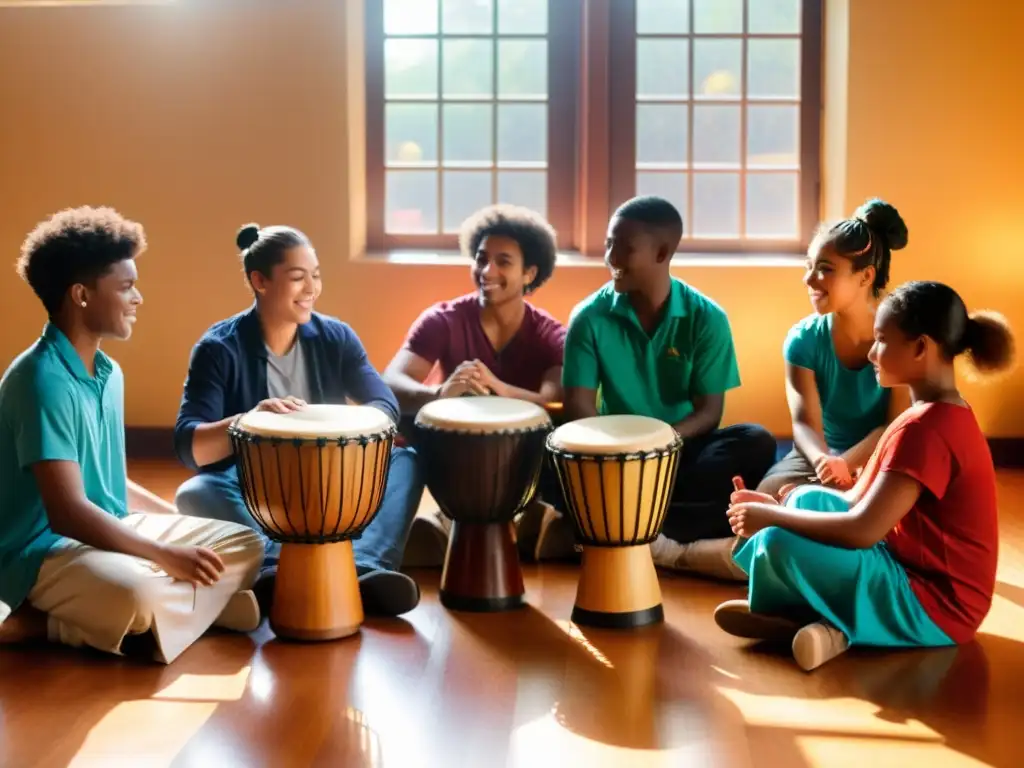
440,258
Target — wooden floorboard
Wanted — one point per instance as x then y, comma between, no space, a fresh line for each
525,688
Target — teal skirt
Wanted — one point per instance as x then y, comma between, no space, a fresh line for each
865,593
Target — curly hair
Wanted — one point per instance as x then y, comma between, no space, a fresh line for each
76,245
536,237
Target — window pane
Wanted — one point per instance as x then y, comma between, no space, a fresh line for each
773,136
661,131
667,17
717,16
464,193
522,68
716,67
410,202
410,68
522,17
671,186
526,188
772,204
411,133
522,133
410,17
468,68
468,133
716,134
662,68
466,17
774,16
773,68
716,205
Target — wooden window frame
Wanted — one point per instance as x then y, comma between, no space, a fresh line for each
592,130
563,62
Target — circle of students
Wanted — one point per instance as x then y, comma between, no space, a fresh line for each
878,528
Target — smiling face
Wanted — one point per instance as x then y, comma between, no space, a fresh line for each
832,283
291,290
498,270
111,301
635,255
897,358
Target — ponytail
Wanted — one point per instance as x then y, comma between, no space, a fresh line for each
984,338
988,343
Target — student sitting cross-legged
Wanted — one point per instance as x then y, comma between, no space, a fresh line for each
839,410
489,342
279,355
907,558
77,558
651,345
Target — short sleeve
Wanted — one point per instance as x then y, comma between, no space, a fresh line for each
919,452
45,424
799,349
580,364
551,343
428,336
715,369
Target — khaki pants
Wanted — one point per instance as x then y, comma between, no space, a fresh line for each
96,598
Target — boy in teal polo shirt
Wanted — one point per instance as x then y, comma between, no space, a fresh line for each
76,563
648,344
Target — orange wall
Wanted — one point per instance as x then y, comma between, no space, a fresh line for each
195,120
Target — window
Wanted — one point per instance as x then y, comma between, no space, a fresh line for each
571,107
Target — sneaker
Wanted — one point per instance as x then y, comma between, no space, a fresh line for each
241,614
387,593
428,541
735,618
557,537
817,643
709,557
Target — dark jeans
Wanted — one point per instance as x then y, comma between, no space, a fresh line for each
704,483
381,546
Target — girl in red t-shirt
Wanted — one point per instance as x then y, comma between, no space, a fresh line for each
907,558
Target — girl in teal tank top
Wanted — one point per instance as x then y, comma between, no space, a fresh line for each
838,409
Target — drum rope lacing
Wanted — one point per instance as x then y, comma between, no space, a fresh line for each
564,460
243,443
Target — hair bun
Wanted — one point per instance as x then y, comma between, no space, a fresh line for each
247,235
883,219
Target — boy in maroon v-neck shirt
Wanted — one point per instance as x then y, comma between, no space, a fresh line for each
491,341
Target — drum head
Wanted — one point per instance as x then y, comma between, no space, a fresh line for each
313,421
481,414
604,435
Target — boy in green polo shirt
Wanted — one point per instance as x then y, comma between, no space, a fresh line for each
78,565
648,344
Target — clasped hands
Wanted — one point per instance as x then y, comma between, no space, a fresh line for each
473,378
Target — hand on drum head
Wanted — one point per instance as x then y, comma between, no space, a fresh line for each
464,380
281,404
198,566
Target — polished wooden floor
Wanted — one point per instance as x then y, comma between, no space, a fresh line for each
445,690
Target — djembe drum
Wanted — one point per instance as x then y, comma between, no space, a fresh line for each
617,474
313,480
481,460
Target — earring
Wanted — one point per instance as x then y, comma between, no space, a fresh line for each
83,303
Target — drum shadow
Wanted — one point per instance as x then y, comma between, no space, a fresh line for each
296,710
647,688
